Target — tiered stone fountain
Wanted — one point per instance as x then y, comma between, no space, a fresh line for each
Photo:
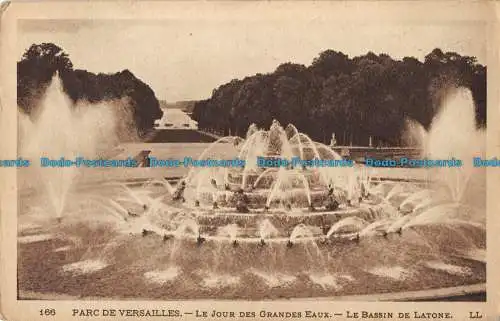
255,232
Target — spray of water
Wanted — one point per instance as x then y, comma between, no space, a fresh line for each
415,134
61,129
453,133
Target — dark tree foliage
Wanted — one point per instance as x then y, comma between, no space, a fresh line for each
39,64
366,96
35,70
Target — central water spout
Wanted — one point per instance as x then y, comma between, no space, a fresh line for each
262,242
289,244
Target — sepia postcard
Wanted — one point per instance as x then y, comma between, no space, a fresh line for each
249,160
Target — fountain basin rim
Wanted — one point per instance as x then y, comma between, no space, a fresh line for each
420,295
256,240
89,182
304,212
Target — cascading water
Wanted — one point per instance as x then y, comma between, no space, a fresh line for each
453,134
333,231
267,230
283,183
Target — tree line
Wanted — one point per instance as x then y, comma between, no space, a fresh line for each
39,64
355,98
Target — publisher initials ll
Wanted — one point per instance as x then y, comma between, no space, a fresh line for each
475,315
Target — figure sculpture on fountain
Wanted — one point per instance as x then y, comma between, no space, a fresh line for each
333,141
331,203
179,192
241,201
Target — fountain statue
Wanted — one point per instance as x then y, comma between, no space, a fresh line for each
241,201
333,141
179,192
331,201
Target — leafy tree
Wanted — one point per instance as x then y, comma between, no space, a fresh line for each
366,96
35,70
39,64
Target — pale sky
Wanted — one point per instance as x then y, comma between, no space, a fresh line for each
184,60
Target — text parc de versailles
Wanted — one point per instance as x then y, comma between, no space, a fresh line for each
266,162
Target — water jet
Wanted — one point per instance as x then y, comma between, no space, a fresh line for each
325,234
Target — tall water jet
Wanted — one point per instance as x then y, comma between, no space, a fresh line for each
278,143
267,230
254,147
45,139
414,134
251,130
60,129
453,134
